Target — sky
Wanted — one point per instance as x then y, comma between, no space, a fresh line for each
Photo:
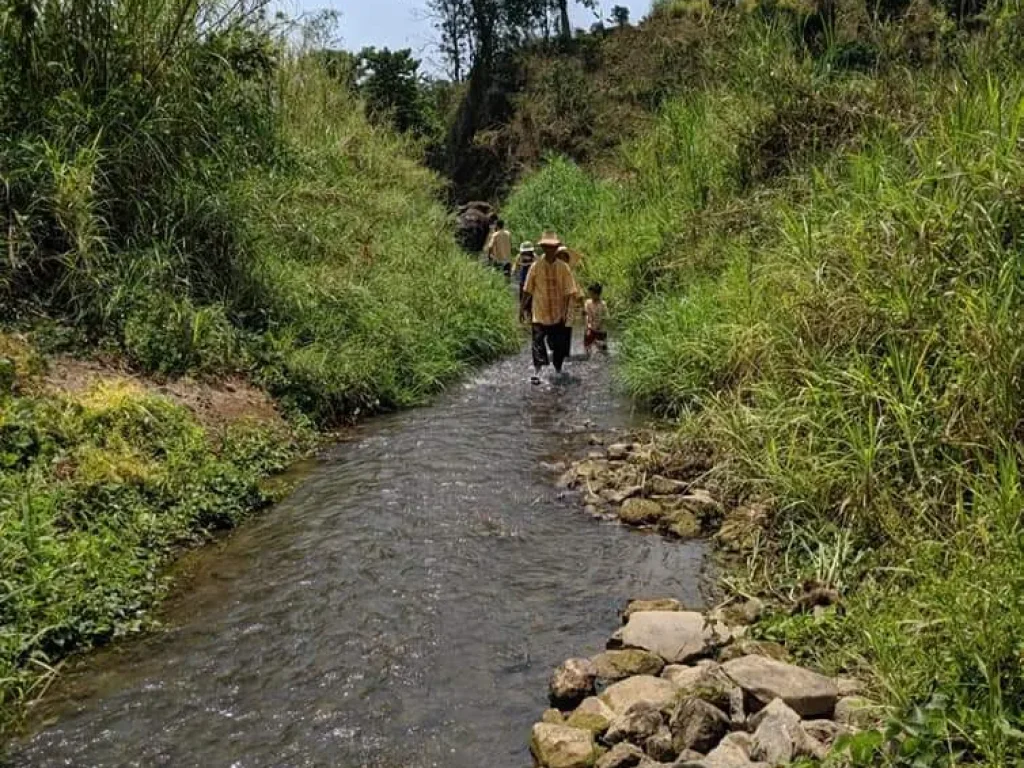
404,23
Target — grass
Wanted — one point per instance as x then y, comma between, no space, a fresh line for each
818,271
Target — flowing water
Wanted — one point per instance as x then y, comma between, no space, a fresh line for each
402,608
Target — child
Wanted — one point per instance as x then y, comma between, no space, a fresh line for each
595,311
520,269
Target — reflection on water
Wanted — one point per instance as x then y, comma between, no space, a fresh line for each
403,607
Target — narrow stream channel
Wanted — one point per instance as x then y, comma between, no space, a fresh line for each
403,608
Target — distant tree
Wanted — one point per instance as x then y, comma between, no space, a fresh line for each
390,83
619,16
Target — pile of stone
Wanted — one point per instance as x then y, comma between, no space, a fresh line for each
684,689
641,483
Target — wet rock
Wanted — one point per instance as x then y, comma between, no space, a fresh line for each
640,512
637,724
697,725
554,467
763,679
659,746
663,486
560,746
622,695
854,711
655,604
680,523
616,665
745,647
552,716
622,755
620,495
618,451
591,715
572,682
676,636
566,480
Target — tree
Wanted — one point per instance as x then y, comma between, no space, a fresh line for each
619,16
390,83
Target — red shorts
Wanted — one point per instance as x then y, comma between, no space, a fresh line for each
594,336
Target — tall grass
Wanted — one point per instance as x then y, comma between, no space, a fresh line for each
832,297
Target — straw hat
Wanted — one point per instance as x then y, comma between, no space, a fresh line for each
549,238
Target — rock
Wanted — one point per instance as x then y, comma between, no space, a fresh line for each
595,439
824,731
688,756
591,468
659,746
618,496
616,665
680,523
591,715
566,479
741,530
744,741
681,675
743,612
725,755
622,755
780,736
472,225
662,486
552,716
637,724
697,725
559,746
572,682
655,604
622,695
618,451
676,636
854,711
848,686
763,679
746,647
640,512
710,683
597,454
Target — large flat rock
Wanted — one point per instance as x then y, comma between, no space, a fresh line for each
560,746
763,680
677,636
624,694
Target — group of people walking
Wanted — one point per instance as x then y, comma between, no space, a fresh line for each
549,296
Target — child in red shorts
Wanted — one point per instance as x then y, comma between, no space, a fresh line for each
596,312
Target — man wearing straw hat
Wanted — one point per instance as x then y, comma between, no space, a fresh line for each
552,287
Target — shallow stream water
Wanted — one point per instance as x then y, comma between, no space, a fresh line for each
402,608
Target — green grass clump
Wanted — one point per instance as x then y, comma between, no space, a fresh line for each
819,272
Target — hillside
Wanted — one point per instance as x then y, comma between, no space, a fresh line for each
812,242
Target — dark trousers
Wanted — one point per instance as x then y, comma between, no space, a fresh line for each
556,337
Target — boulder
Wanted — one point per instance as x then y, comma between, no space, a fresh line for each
592,715
623,755
618,451
664,486
680,523
660,746
616,665
552,716
780,736
854,711
637,724
620,495
725,755
640,512
745,647
849,686
572,682
824,731
682,676
676,636
560,746
711,684
697,725
654,604
763,679
622,695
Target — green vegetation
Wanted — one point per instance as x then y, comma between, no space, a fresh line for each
816,252
183,191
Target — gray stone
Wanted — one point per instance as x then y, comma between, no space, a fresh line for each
711,684
775,736
680,523
683,676
640,512
744,741
617,665
677,636
572,682
849,686
729,755
824,731
618,451
764,679
622,695
560,746
660,746
637,724
663,486
697,725
592,715
620,495
552,716
650,604
854,711
623,755
745,647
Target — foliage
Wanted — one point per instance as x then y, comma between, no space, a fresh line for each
390,83
818,270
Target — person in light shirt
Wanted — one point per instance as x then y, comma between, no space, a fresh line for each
552,289
499,248
595,311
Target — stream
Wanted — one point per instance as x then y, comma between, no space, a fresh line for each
402,608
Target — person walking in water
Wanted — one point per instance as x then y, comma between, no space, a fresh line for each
552,288
595,312
520,269
499,248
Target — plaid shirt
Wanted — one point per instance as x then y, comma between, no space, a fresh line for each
550,283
